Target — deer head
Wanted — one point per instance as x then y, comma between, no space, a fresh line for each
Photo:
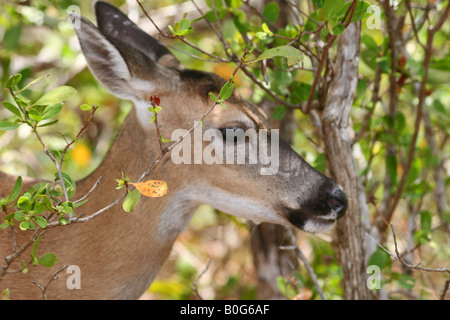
135,66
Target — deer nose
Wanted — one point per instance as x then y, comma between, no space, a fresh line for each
337,201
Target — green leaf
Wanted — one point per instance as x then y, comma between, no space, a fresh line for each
5,294
172,30
131,200
380,258
67,207
213,97
240,21
21,101
16,190
271,12
164,140
51,111
41,222
33,253
360,11
24,225
12,108
404,280
86,107
11,37
48,123
184,24
181,28
5,125
19,216
333,7
48,260
279,112
425,223
234,4
55,96
24,203
13,80
35,114
70,184
226,91
292,54
31,83
338,29
266,29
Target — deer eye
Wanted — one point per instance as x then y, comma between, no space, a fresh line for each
232,134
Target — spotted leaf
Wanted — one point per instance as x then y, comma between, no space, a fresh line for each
151,188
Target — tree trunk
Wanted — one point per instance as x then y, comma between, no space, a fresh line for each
350,237
270,261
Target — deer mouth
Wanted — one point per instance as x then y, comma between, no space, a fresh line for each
309,222
319,216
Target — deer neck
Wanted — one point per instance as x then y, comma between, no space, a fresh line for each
129,247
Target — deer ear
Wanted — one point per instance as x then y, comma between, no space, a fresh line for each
121,59
115,25
103,58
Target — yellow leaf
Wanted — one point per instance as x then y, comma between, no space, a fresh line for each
151,188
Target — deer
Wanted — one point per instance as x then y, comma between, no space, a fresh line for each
119,254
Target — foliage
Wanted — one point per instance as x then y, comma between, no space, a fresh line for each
282,67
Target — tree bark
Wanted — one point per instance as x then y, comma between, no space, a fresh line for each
350,237
270,261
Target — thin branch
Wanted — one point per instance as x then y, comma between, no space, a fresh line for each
305,261
324,57
53,277
78,136
398,257
161,33
413,23
270,92
181,38
10,258
444,291
89,192
194,286
226,46
375,99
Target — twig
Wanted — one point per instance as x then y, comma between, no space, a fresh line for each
444,291
400,259
53,277
270,92
89,192
324,57
161,33
305,261
194,286
375,99
181,38
155,102
10,258
413,23
79,135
